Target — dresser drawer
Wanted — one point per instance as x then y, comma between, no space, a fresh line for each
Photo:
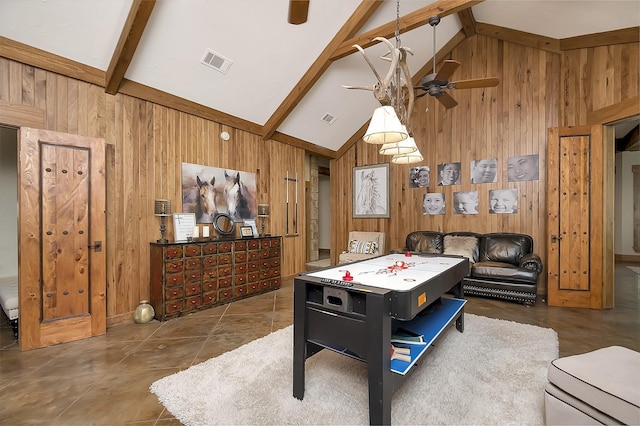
224,259
209,274
209,261
225,294
241,279
174,266
240,246
210,298
225,247
193,302
174,293
191,277
191,289
224,282
192,263
192,250
240,290
210,286
173,306
210,248
174,280
173,252
241,257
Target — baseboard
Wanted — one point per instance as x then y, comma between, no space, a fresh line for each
627,258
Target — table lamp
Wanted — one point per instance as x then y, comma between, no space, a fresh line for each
162,208
263,212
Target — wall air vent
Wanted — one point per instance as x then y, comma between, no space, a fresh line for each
216,61
328,118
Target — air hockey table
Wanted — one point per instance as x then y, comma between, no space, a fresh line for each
355,308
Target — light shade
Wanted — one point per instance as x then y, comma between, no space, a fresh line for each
263,210
413,157
162,207
385,127
406,146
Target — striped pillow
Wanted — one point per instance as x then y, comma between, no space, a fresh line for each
362,247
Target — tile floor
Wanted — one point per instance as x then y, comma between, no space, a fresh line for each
104,380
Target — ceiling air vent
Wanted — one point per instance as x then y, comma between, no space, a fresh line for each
216,61
328,118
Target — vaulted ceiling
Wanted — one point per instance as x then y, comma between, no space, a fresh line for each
282,81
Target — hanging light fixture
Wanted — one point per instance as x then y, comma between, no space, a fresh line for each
385,127
389,124
406,146
413,157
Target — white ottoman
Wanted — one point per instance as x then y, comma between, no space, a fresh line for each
599,387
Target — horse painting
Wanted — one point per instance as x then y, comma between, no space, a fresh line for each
206,201
369,197
241,202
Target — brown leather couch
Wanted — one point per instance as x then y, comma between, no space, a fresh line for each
502,265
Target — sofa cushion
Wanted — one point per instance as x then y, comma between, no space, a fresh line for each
505,247
462,246
362,247
425,241
503,271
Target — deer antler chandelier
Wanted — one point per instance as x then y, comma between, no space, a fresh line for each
390,124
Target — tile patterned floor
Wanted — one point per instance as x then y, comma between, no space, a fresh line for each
104,380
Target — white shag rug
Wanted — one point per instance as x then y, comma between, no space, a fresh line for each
493,373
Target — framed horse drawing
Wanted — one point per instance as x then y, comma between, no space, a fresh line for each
371,191
207,191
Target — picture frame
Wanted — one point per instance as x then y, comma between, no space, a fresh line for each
371,191
253,225
183,224
246,232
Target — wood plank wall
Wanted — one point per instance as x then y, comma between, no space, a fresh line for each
538,90
147,144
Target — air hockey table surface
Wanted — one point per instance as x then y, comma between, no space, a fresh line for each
412,280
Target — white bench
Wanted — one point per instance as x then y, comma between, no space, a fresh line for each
9,301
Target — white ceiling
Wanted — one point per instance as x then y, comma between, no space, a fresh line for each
269,55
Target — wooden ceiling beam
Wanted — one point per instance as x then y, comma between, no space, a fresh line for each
408,22
320,65
626,35
519,37
38,58
129,38
468,22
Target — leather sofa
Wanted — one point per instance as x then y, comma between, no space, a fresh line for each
502,265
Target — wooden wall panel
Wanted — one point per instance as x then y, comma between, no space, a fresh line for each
146,145
500,122
538,90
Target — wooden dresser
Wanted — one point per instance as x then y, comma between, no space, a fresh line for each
188,276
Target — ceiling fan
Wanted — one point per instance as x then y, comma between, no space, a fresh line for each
437,83
298,11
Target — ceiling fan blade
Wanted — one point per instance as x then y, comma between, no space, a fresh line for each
298,11
446,100
448,67
474,83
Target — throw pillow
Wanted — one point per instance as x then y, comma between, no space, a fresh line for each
461,246
362,247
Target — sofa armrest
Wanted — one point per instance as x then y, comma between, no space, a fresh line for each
532,262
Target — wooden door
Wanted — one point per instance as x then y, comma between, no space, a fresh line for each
580,168
61,222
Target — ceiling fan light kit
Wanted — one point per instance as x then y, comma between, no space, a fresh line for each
385,127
